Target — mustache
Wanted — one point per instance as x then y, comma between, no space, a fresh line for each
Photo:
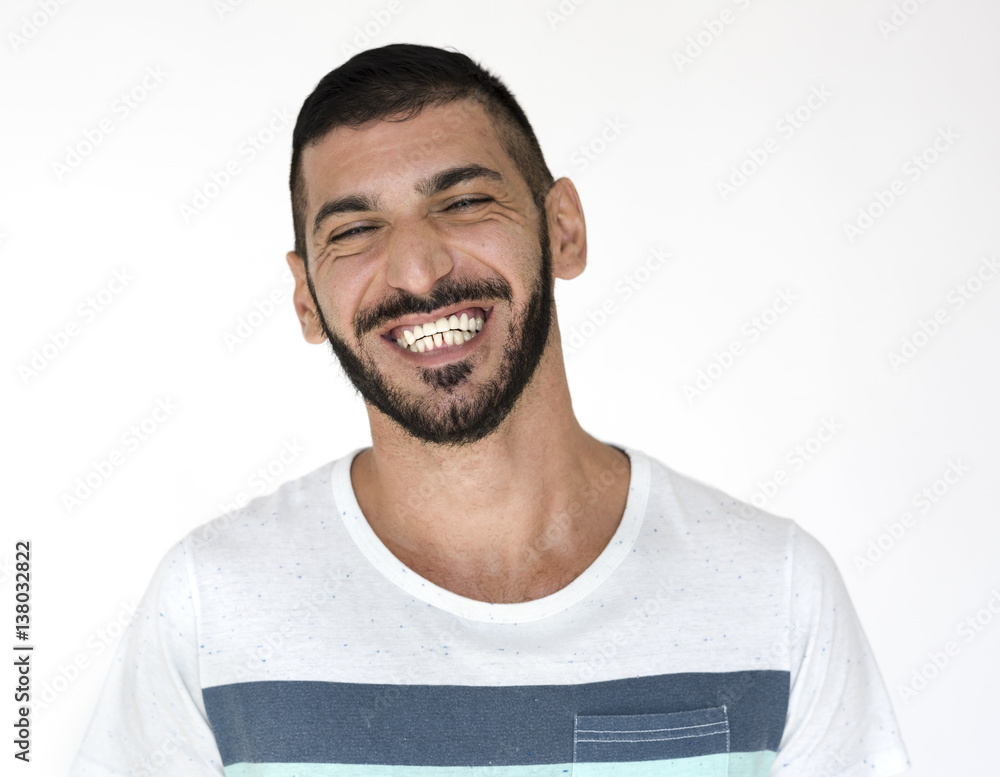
447,292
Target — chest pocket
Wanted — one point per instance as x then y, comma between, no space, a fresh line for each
694,742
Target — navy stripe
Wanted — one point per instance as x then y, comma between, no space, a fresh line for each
455,725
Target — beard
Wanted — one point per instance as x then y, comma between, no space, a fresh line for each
465,419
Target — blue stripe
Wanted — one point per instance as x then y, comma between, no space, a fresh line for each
451,725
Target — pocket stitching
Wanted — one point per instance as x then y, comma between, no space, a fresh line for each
725,711
724,721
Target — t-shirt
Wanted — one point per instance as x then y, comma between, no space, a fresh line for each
708,638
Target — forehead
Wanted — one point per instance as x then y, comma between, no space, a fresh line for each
377,155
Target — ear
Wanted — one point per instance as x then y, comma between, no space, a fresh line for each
305,308
567,229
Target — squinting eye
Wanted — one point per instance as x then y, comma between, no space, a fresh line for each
349,233
467,202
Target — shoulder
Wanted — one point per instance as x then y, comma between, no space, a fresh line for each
697,517
708,511
295,510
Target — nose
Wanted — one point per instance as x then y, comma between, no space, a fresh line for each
417,257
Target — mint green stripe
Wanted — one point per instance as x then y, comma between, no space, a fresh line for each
721,765
751,764
698,766
376,770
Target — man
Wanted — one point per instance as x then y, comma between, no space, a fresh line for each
487,586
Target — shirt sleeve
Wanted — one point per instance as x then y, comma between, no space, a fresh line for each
840,720
150,717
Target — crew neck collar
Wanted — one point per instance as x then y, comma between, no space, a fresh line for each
375,551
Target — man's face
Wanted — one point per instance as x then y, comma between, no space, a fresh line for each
427,223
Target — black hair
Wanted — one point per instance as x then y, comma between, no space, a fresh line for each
398,81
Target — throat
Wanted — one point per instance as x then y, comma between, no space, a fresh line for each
498,543
497,568
507,584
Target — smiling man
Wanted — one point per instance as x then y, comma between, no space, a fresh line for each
486,588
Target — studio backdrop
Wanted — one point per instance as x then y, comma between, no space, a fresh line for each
792,293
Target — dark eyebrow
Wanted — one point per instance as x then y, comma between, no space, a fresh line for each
453,176
348,204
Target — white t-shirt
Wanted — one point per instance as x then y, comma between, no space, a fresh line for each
708,638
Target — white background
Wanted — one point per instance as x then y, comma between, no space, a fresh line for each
653,182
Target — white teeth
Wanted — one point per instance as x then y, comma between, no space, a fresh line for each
440,339
450,330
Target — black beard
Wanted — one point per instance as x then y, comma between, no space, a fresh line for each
470,421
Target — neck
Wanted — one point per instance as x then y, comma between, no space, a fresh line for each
514,516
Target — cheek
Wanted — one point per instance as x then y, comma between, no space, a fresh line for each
342,288
507,252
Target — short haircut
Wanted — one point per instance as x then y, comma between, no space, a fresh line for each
398,81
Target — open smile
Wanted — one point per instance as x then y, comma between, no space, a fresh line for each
446,331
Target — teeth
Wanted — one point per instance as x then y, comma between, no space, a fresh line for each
451,330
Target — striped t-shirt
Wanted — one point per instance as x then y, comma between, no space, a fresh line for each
708,638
